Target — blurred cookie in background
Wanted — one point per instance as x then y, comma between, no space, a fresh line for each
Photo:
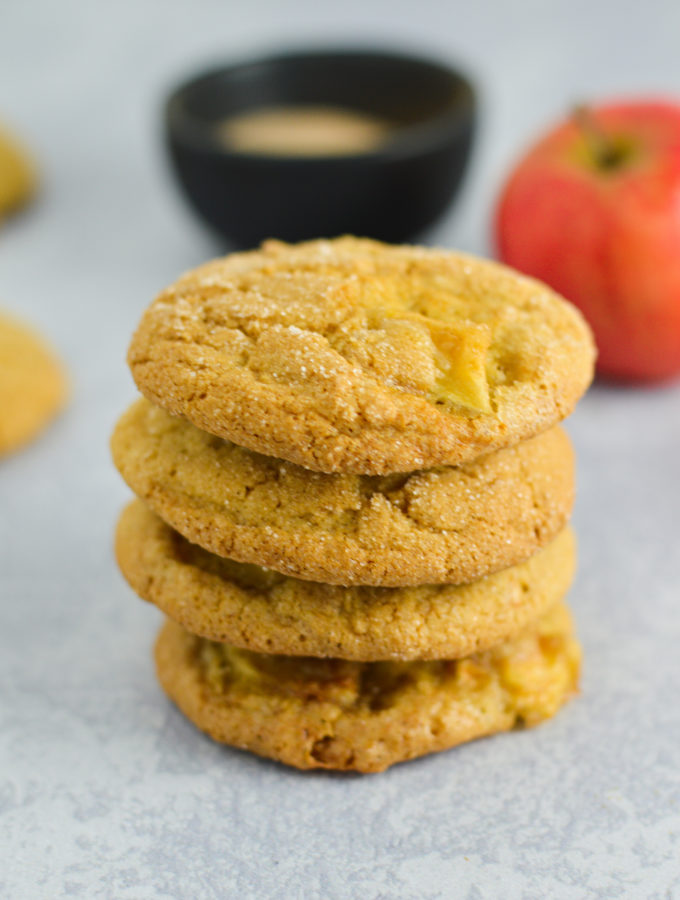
33,384
17,174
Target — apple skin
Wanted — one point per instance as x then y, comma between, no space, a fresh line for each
606,235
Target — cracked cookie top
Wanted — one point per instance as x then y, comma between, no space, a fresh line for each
445,524
352,356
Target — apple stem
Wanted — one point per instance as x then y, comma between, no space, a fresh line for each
606,153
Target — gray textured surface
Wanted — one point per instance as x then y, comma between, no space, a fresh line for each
104,790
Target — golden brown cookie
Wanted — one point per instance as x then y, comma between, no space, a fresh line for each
334,714
349,355
17,174
261,610
32,385
441,525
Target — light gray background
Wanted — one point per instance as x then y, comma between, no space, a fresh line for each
105,791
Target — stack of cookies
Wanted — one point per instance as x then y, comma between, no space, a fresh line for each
353,498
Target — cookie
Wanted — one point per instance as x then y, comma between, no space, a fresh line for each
17,174
32,385
440,525
334,714
261,610
352,356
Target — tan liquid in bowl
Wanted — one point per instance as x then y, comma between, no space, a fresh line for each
303,131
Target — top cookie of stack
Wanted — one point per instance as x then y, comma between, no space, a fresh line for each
355,357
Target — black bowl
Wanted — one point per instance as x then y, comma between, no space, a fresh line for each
391,193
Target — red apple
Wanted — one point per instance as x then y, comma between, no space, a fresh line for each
593,209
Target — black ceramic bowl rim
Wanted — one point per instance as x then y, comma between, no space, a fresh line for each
406,140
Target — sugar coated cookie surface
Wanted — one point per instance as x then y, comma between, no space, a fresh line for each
352,356
32,384
261,610
334,714
440,525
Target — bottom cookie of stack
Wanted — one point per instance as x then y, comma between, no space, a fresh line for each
365,716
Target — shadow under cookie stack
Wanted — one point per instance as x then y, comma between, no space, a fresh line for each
353,498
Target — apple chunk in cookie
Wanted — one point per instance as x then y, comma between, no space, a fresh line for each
440,360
